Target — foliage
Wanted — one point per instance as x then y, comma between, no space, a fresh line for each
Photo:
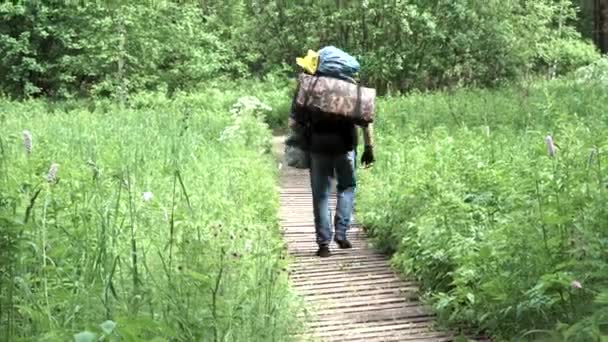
596,73
147,227
127,207
503,234
66,48
276,91
60,48
405,45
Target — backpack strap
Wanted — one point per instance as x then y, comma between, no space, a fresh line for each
357,109
312,86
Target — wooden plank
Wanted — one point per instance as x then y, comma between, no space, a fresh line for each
335,252
335,326
358,266
415,307
347,282
369,255
402,329
382,264
367,294
411,314
395,336
344,303
329,321
337,274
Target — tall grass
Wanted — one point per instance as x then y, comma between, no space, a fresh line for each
151,229
503,235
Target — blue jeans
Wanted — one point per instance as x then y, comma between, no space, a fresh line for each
322,168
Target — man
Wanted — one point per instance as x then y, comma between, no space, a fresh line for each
332,145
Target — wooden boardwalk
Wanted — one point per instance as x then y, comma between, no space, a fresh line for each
352,295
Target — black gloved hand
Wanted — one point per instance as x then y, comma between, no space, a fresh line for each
368,156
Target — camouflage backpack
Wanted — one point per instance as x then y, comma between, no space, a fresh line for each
324,95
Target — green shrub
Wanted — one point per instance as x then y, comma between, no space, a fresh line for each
74,49
152,227
595,73
502,236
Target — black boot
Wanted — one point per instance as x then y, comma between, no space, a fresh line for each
323,252
344,244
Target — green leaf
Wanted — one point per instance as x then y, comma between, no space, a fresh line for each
198,276
471,298
85,336
602,297
108,327
485,252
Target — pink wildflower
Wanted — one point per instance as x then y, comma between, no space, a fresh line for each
575,284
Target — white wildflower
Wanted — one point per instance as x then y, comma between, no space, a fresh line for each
51,176
550,146
248,246
249,104
486,131
27,141
146,196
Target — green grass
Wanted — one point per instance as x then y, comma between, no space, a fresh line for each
468,201
162,219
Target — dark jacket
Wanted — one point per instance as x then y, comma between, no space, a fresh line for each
324,134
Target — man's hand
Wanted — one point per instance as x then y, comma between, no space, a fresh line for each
368,156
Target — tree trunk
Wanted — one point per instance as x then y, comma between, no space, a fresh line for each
600,24
603,36
364,34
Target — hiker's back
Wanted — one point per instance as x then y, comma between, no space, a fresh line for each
329,104
332,135
327,107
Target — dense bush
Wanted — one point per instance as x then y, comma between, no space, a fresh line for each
404,45
504,233
61,48
147,227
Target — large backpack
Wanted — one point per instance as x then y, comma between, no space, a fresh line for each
336,63
323,95
329,93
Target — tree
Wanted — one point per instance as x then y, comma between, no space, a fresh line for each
601,24
61,49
